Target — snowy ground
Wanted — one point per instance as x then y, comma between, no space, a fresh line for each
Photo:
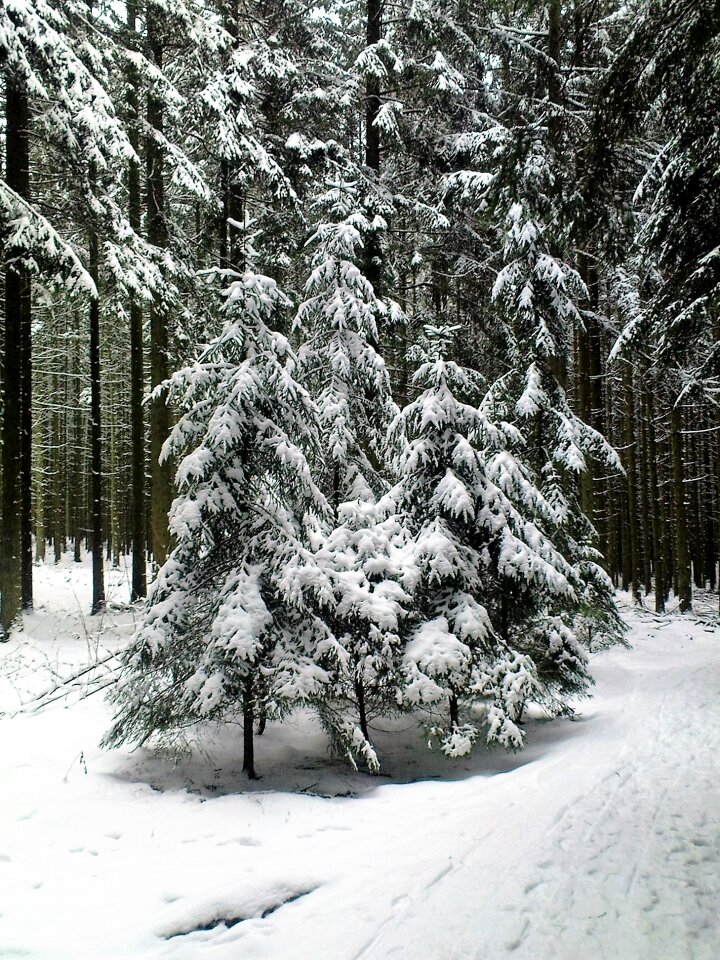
601,840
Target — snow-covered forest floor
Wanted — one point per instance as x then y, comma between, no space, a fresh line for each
601,839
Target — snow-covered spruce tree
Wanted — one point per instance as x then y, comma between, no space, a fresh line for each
534,293
220,640
513,180
468,501
499,602
355,578
516,182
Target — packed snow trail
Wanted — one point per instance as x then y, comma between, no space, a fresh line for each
600,840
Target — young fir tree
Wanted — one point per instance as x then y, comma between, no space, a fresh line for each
494,593
221,639
356,571
513,181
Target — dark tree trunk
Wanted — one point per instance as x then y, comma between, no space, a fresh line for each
231,241
372,89
648,551
58,486
658,517
373,102
696,525
362,708
76,461
668,530
454,712
555,41
633,541
717,490
96,482
138,587
582,368
613,550
15,565
161,473
682,553
26,444
248,732
709,495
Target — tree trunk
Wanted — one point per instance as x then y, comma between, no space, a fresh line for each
161,473
657,511
633,539
682,554
58,487
582,371
77,478
26,444
648,552
613,551
138,585
248,732
373,102
39,488
717,491
113,517
454,711
696,521
710,501
15,578
96,484
362,709
554,28
666,517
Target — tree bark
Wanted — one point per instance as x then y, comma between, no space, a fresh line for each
633,539
26,446
138,585
76,461
648,552
373,102
613,549
454,711
161,473
682,554
362,709
15,575
710,501
657,511
248,732
96,484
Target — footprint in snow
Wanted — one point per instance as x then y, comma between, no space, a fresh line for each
242,841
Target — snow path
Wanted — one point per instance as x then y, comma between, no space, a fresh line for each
601,840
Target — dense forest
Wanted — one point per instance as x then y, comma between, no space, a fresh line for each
404,314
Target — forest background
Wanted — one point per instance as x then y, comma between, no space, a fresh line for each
495,219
